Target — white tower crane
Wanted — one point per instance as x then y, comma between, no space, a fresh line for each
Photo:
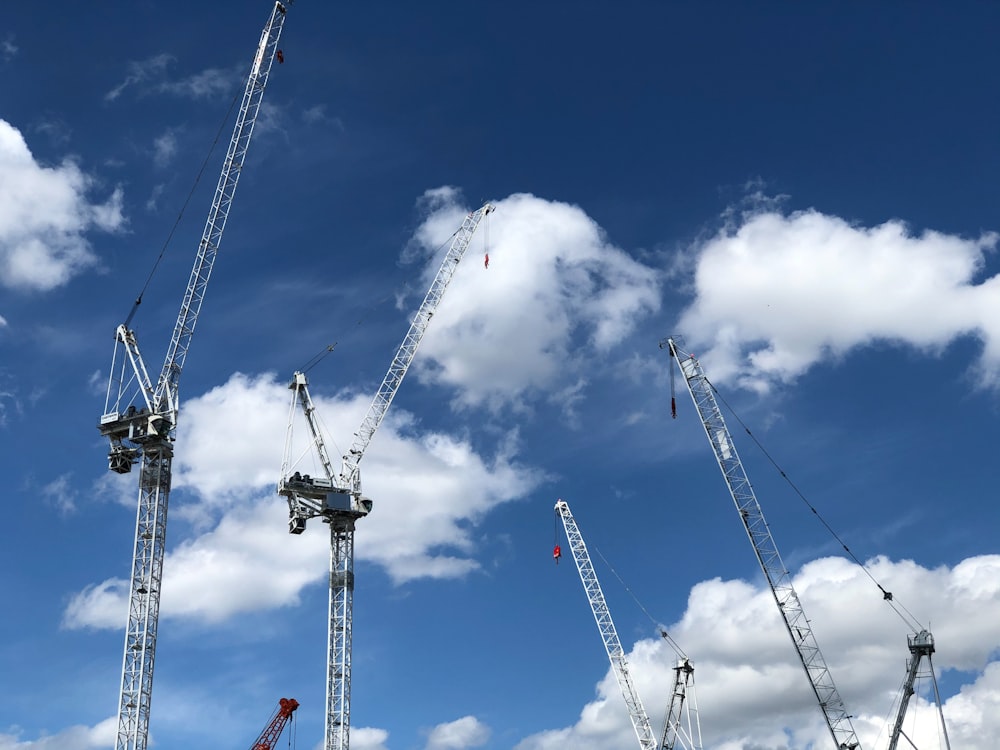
148,431
337,499
616,654
778,577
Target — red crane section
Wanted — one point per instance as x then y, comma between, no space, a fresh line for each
269,737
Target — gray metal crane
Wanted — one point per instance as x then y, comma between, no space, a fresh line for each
606,626
681,723
145,433
337,498
778,577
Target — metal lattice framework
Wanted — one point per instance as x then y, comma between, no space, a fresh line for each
682,725
338,499
921,646
149,431
612,645
404,356
778,577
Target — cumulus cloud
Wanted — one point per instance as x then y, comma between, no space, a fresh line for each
556,294
752,691
430,491
44,214
776,293
73,738
366,738
460,734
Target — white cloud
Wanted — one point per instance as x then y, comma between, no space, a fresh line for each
555,286
430,491
366,738
149,75
8,49
775,294
752,691
460,734
140,72
164,148
44,213
60,493
73,738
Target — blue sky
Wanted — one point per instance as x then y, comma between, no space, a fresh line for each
805,194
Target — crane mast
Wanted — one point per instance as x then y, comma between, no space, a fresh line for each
613,646
921,645
338,499
146,434
269,737
765,549
682,723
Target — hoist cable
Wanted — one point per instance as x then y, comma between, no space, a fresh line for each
887,596
180,215
666,636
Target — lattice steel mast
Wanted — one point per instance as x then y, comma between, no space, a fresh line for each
337,499
616,654
148,432
778,578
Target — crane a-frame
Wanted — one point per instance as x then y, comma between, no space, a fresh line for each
682,724
147,432
778,577
337,498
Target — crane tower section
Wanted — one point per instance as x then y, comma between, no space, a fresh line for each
337,499
778,577
140,418
606,626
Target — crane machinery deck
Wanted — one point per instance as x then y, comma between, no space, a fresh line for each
146,433
337,498
682,723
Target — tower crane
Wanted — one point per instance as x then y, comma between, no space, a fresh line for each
146,434
337,498
616,654
269,737
778,577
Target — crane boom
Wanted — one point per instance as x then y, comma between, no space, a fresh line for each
338,499
613,646
268,738
778,578
149,431
407,350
